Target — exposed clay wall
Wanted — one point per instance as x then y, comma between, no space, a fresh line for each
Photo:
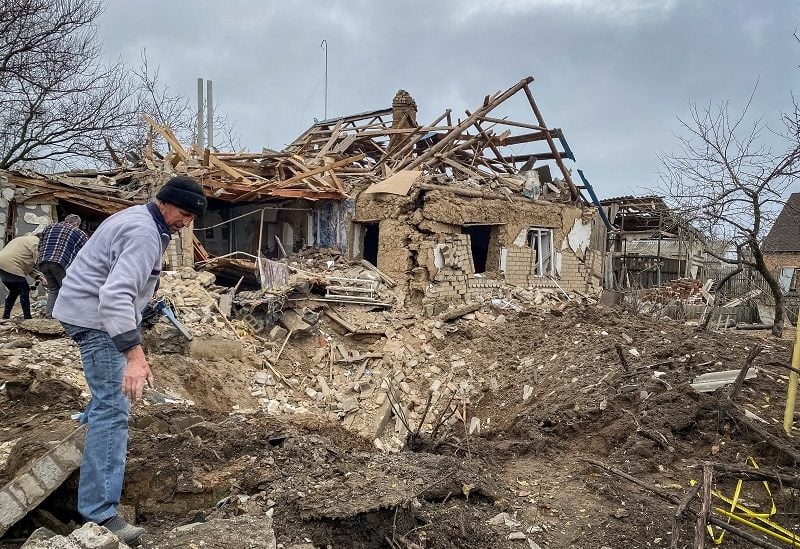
421,241
33,216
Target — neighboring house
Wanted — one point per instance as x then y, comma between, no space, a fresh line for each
781,247
649,245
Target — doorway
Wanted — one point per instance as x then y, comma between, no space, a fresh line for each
371,239
479,244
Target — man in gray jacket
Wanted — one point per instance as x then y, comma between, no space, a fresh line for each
100,304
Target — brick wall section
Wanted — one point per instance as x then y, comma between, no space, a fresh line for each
30,488
456,281
180,252
777,260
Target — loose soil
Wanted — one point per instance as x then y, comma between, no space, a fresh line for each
327,486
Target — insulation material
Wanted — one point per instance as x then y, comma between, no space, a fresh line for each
438,256
579,236
273,274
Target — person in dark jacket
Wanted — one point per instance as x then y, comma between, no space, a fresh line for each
59,243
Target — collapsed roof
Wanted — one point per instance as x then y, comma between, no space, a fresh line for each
327,160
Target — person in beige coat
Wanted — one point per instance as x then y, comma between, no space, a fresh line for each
17,260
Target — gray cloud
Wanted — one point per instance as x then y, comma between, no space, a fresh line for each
613,74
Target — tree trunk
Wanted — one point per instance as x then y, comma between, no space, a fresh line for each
775,288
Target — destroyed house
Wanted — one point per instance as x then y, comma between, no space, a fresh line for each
781,246
649,244
453,208
463,207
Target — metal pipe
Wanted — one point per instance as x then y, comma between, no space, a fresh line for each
209,115
228,255
201,140
791,391
324,45
251,213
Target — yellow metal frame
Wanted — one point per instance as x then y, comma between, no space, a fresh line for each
758,521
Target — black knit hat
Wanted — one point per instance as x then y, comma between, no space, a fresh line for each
184,192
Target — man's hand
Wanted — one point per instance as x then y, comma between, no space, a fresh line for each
137,374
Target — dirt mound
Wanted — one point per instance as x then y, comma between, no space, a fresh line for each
320,485
528,396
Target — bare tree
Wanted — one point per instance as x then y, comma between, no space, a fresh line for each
155,99
57,99
730,183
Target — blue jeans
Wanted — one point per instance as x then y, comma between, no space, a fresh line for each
103,466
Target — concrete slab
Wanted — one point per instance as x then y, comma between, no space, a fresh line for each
32,485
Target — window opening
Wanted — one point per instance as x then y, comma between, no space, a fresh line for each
541,240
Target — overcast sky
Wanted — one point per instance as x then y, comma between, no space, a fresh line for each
615,75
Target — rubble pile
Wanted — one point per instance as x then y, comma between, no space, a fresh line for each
689,290
470,392
306,424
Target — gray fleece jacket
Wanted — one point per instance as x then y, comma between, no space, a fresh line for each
115,274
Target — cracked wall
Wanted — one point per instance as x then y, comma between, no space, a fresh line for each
421,241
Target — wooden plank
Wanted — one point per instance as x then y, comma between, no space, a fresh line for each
339,320
233,172
460,167
302,193
168,136
384,277
523,138
512,123
559,161
304,175
399,183
331,140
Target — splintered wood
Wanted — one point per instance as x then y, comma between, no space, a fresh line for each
336,157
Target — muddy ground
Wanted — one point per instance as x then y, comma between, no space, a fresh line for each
554,393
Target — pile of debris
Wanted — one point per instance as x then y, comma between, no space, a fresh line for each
689,290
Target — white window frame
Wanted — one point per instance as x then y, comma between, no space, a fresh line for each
536,237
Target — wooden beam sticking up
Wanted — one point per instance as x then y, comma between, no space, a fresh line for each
469,121
573,191
489,141
169,137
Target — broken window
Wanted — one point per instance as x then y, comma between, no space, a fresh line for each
479,244
541,240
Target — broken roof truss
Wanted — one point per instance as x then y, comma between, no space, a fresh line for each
478,147
327,160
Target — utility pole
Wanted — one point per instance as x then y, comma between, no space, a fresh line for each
324,45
